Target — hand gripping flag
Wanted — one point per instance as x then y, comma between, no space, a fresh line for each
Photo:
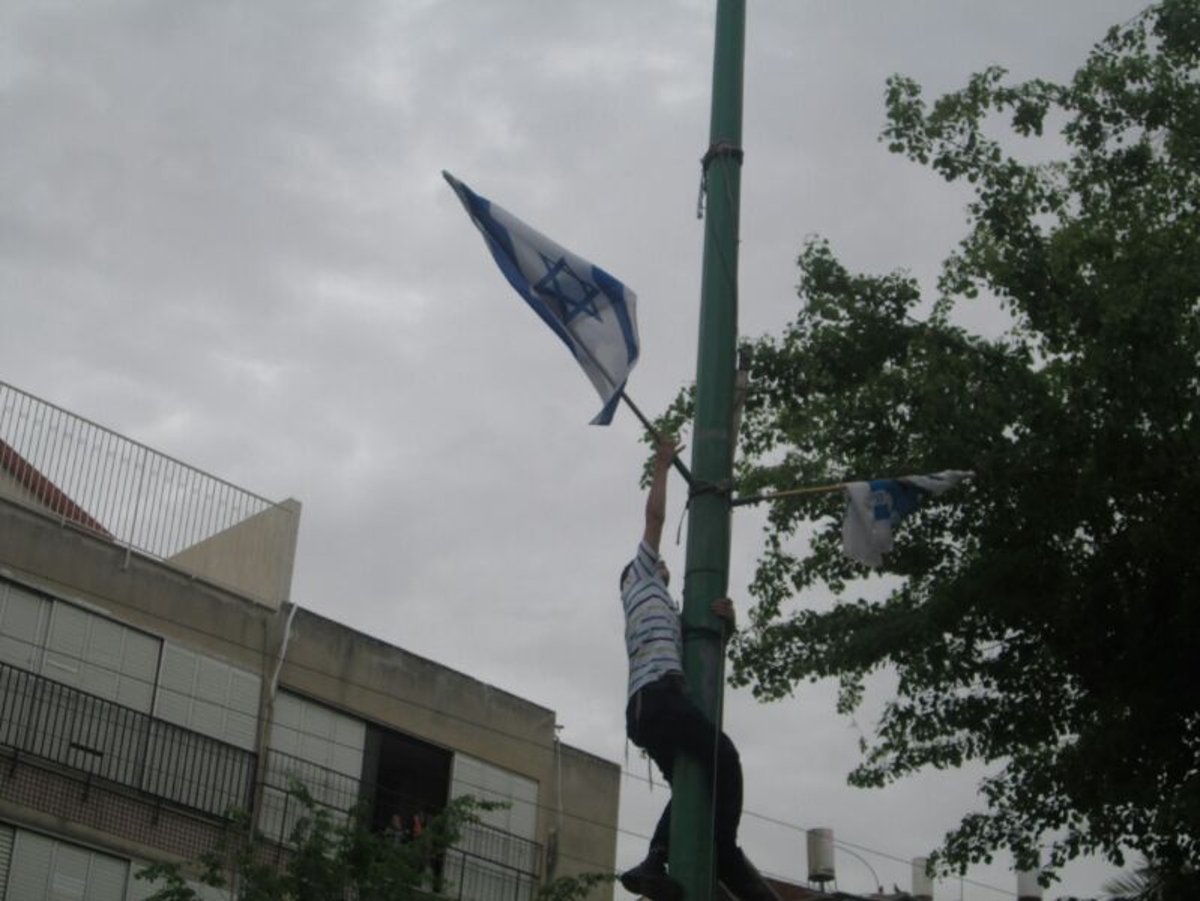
593,313
874,508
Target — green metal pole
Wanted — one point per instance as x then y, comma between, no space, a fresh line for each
707,568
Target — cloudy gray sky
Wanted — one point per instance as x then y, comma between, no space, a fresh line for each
223,232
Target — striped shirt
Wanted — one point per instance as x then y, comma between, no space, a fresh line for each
653,636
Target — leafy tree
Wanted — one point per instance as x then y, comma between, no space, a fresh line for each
1149,882
327,856
1139,885
337,857
1045,616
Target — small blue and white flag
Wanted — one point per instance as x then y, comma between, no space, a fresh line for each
593,313
874,508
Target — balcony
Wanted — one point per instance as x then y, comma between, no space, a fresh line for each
58,725
142,500
486,864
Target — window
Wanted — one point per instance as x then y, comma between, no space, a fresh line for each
23,616
218,701
486,782
317,745
78,648
496,860
83,665
44,869
208,696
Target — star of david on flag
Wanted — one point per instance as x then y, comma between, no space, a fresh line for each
874,508
593,313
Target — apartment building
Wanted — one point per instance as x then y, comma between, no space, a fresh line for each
155,674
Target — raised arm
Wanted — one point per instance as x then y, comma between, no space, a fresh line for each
656,499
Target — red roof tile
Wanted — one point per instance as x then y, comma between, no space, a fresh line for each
44,491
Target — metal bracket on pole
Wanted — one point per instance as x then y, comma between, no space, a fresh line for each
698,488
719,149
722,148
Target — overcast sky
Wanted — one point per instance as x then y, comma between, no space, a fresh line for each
224,233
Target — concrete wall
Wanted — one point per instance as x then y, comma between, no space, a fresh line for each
10,487
591,788
255,557
140,591
377,681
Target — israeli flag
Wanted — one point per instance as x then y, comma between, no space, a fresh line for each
874,508
593,313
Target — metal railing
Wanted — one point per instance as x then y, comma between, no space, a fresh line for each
505,850
69,727
54,722
108,483
468,877
485,864
281,809
51,721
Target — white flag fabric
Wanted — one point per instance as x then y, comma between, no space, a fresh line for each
874,508
593,313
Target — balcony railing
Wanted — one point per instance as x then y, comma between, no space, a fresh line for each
69,727
131,494
60,724
485,864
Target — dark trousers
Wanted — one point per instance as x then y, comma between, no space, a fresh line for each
663,721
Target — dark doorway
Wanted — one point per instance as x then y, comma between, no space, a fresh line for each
404,777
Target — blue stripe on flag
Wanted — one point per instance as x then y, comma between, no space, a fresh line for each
504,253
592,313
615,291
900,499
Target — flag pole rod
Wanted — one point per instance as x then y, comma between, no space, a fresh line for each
645,421
791,492
658,436
808,489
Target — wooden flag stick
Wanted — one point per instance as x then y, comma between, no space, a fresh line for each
792,492
658,436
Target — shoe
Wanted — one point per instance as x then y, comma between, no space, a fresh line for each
650,880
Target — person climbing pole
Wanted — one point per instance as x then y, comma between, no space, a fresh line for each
663,720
